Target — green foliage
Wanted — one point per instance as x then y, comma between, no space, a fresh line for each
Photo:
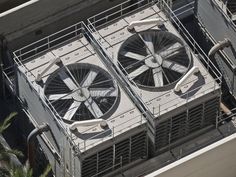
9,169
7,122
46,171
21,171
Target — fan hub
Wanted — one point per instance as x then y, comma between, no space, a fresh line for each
81,95
154,62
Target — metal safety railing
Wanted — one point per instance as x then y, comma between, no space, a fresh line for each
47,43
112,132
222,6
93,24
118,11
74,31
184,97
195,47
21,58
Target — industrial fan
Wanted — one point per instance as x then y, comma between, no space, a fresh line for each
82,92
154,59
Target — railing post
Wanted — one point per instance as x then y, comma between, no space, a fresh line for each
48,42
113,129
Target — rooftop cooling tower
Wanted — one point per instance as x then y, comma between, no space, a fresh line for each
150,54
109,96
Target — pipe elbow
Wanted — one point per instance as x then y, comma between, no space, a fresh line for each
37,131
131,26
192,71
219,46
77,124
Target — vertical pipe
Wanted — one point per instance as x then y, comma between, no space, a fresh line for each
2,90
31,146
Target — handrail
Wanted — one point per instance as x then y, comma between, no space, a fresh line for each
46,43
123,10
226,13
210,66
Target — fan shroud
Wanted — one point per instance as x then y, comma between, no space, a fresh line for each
82,91
154,59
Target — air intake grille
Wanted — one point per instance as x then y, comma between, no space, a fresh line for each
187,122
162,133
89,166
211,108
178,127
122,153
116,156
105,161
195,116
138,146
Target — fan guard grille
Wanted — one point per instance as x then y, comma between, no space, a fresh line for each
82,92
154,59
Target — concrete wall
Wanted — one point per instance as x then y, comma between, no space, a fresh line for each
216,160
25,24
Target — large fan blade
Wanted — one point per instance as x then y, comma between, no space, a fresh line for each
158,77
171,50
67,80
62,96
149,43
72,110
103,92
138,71
88,80
93,108
133,55
174,66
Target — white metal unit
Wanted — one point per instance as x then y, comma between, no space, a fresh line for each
65,84
103,117
153,58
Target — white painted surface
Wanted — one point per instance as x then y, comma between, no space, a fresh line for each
216,160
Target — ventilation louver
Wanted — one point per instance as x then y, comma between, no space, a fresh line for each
82,92
154,59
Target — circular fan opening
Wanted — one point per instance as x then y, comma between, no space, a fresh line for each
154,59
82,92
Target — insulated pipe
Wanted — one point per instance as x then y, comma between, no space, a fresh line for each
192,71
51,63
74,125
131,26
37,131
219,46
225,109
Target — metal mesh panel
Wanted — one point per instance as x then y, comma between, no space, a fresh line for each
195,115
211,108
185,123
89,166
122,153
138,146
162,133
105,161
178,126
116,156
